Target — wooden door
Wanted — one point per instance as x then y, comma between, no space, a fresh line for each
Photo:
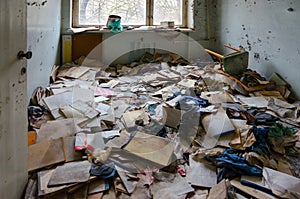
13,99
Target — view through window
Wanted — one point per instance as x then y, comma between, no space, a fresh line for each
132,12
167,10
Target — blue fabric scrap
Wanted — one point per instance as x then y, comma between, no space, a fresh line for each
240,164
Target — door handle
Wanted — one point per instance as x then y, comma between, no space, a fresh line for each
27,55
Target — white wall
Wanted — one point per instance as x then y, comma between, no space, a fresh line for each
43,36
269,30
132,44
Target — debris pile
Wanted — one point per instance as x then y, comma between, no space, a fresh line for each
162,128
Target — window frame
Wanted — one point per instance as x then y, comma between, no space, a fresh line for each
149,15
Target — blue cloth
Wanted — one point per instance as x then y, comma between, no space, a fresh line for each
232,157
231,164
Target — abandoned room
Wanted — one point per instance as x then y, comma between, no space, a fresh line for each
141,99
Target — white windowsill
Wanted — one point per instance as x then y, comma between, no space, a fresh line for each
143,29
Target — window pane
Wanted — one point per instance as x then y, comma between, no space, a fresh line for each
167,10
94,12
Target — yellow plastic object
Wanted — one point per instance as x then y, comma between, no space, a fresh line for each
32,138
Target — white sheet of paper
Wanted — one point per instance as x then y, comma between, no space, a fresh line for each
110,134
101,99
259,102
282,184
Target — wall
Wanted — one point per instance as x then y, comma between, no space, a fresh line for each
43,36
132,44
66,15
268,29
204,22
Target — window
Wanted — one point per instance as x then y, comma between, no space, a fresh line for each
132,12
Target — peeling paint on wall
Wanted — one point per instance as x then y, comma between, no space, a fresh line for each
257,57
37,4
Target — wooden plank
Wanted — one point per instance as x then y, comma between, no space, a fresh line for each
249,89
214,53
232,48
45,154
275,94
72,172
